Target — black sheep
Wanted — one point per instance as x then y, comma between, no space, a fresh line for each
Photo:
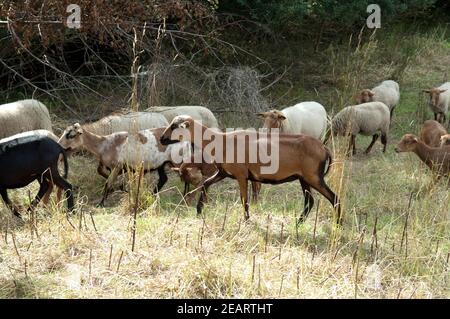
27,157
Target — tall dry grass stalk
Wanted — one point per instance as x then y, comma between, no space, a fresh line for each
349,68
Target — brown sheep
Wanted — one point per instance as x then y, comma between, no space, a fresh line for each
437,159
300,157
431,133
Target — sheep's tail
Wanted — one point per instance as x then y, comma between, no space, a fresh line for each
327,162
66,164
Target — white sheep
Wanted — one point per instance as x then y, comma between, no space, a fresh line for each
308,118
387,92
23,116
123,150
129,122
365,119
439,101
199,113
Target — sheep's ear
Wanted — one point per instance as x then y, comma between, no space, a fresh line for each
276,114
261,114
426,91
78,128
416,139
175,169
371,93
185,124
442,91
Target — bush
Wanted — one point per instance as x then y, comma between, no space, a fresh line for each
289,15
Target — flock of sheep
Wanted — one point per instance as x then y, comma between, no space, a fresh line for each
29,151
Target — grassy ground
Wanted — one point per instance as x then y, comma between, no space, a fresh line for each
395,242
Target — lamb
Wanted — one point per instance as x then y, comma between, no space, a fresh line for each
431,133
23,116
27,157
299,157
366,119
437,159
199,113
387,92
196,173
130,122
123,150
445,140
439,101
308,118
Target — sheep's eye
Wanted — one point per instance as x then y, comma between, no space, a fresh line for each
69,135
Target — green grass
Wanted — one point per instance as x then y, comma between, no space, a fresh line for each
395,242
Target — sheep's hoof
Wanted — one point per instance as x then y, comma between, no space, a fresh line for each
18,215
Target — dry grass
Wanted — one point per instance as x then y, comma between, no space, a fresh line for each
389,247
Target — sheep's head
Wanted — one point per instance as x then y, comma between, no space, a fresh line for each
407,144
189,174
365,96
71,139
434,96
181,128
445,140
272,119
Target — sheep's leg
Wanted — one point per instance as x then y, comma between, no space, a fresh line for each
384,141
101,170
59,194
374,139
63,185
46,197
318,183
352,145
162,179
243,187
205,185
309,201
104,172
186,189
14,209
256,187
391,115
44,186
108,185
